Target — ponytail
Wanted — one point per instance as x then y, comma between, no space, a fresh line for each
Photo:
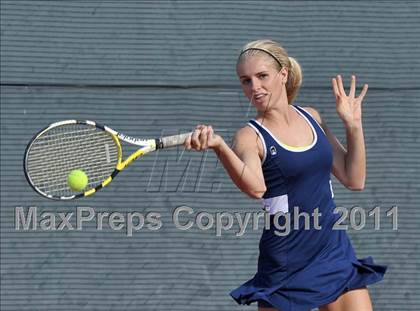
294,80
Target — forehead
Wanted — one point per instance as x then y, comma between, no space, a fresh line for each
252,64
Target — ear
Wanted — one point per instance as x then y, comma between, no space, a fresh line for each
284,73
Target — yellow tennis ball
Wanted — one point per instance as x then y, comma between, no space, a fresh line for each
77,180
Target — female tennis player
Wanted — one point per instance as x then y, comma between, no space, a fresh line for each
285,156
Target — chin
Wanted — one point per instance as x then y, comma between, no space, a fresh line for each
262,106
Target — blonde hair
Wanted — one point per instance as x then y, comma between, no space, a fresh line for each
280,59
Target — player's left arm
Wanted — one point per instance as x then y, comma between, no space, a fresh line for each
341,156
349,164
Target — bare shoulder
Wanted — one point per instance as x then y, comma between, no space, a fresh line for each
246,136
245,133
247,139
314,113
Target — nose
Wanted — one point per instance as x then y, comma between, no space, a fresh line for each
256,85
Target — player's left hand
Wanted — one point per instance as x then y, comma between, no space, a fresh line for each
349,107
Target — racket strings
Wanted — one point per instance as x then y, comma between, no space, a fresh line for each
88,161
54,182
58,151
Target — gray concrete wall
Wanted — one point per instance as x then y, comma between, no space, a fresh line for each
148,68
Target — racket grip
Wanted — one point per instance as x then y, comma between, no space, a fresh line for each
170,141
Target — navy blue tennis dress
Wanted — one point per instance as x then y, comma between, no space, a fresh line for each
310,266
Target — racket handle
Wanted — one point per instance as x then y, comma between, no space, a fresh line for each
171,141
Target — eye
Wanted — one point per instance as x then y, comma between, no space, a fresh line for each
263,76
245,81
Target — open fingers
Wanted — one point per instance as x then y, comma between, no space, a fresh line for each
363,92
352,86
340,86
335,87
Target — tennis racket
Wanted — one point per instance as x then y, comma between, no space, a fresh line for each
70,145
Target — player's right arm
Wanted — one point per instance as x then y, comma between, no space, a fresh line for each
242,162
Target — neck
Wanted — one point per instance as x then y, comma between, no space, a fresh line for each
279,113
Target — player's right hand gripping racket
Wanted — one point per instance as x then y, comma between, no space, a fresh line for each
82,145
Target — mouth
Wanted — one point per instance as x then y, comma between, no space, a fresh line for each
260,96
